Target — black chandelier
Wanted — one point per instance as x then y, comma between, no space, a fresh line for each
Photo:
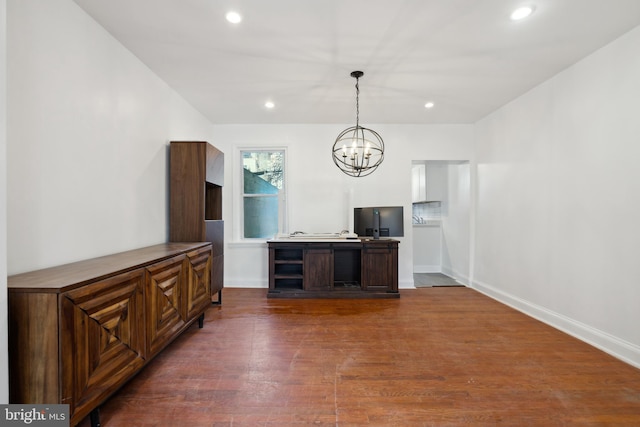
358,151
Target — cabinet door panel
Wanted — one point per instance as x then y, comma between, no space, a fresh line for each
198,284
318,269
164,314
215,235
379,268
102,343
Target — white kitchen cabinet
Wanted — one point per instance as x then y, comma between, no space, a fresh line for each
418,183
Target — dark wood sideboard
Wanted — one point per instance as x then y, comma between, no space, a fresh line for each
348,268
79,331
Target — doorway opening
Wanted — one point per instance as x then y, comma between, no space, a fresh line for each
441,213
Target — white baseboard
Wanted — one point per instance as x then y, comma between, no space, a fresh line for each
246,284
406,284
460,278
618,348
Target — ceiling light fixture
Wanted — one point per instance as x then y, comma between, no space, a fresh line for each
521,13
358,151
233,17
429,105
269,104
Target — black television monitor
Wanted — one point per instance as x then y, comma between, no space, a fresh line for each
382,221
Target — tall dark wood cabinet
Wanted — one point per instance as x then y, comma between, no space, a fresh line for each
196,178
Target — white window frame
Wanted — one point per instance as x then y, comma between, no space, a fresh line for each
239,195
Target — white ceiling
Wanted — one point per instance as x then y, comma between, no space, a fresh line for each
467,56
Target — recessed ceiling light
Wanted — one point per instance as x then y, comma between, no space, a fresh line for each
429,105
521,13
233,17
269,104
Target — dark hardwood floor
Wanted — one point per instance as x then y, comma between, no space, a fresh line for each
434,357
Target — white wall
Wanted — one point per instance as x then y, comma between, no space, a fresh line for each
88,131
4,357
456,219
320,195
557,226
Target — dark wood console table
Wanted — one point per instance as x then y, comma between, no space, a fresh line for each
340,268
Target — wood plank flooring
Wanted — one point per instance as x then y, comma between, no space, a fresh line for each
434,357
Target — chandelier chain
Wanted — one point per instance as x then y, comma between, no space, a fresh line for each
357,102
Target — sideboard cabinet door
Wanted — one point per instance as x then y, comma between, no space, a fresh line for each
198,284
380,267
164,313
101,339
318,269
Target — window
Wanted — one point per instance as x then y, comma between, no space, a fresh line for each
262,192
